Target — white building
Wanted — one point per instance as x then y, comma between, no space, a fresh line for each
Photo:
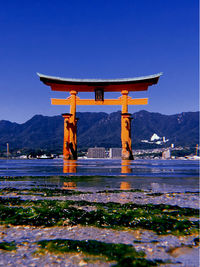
115,153
96,152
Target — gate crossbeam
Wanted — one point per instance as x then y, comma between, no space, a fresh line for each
90,102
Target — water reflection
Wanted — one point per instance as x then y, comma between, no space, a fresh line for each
125,166
69,166
125,186
69,185
101,174
101,167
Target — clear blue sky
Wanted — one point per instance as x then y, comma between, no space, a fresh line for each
97,39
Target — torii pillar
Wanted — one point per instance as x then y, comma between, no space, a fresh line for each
70,130
126,128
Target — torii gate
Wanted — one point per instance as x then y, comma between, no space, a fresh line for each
98,86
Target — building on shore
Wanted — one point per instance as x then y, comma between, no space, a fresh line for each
96,152
115,153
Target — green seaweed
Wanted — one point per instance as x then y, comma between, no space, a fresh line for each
162,219
124,255
172,210
45,192
11,201
8,246
141,208
63,177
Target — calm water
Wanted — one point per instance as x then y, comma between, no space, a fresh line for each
156,175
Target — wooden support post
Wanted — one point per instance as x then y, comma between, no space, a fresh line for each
66,150
126,136
73,127
70,130
126,128
124,101
73,104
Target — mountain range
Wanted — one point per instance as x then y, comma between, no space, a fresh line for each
100,129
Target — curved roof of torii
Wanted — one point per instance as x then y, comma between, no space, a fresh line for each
109,85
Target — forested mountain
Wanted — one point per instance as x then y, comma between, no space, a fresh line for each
100,129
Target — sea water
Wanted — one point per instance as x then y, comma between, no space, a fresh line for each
101,174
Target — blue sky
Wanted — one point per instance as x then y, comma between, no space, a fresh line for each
97,39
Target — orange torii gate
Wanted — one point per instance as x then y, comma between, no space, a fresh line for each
98,86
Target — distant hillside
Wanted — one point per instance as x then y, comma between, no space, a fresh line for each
100,129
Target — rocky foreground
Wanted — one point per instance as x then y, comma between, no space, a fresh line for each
65,227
